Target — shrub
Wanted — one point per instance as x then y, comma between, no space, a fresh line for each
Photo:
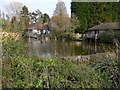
108,69
108,36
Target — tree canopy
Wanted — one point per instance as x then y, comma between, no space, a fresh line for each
94,13
60,18
20,18
24,19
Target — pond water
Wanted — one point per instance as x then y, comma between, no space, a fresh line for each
47,48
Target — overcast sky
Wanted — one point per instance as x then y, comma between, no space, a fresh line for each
45,6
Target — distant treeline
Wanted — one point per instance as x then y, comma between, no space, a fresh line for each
94,13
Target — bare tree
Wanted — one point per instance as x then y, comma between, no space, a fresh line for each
14,8
60,18
60,9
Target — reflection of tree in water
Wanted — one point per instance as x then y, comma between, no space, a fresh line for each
47,48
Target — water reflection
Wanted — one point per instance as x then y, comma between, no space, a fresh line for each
47,48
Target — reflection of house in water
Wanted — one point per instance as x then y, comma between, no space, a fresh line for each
96,31
39,48
36,29
77,43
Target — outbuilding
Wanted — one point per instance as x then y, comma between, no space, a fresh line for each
96,31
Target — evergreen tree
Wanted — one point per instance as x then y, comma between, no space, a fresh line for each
24,11
14,24
36,17
91,14
46,18
24,20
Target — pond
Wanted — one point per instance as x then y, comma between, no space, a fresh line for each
47,48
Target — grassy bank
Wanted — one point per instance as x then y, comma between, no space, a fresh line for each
22,71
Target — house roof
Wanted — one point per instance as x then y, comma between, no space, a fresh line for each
35,26
38,26
106,26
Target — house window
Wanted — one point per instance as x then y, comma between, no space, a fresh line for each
39,32
43,31
48,32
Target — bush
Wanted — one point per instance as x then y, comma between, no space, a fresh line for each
108,36
108,69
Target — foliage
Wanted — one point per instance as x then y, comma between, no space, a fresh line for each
108,69
46,18
109,36
34,16
6,25
60,19
24,11
16,64
74,21
40,20
19,18
94,13
22,71
38,17
24,19
22,24
14,24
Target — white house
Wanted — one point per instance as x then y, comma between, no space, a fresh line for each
37,29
